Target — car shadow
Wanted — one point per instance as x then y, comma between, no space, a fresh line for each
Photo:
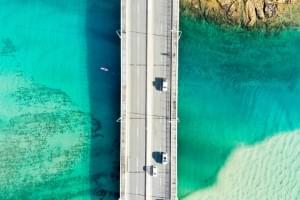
157,83
156,156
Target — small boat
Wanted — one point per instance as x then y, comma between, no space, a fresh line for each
104,69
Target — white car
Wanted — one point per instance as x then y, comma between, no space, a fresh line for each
154,171
164,158
164,85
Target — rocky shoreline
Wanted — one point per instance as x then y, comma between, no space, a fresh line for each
247,13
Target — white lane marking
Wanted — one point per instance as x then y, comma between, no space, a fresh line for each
160,180
162,121
138,8
138,88
138,42
138,180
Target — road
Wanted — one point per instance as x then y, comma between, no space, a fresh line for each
148,57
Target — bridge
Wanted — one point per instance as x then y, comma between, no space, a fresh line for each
149,86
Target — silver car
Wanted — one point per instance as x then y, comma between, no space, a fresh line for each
154,171
164,158
164,85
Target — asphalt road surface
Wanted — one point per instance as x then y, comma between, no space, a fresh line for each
148,59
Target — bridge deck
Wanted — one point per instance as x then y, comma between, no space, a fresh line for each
149,51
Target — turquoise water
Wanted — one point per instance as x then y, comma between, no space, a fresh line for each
237,87
58,132
58,111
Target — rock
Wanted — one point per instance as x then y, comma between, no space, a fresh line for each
250,13
192,4
259,7
270,10
195,3
246,12
281,1
234,10
226,3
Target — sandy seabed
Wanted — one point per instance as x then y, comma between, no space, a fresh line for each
269,170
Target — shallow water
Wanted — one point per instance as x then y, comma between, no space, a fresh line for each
266,170
58,110
237,87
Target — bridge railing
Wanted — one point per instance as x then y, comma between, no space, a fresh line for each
174,97
123,119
